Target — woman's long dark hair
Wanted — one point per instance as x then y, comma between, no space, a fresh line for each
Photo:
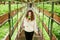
32,15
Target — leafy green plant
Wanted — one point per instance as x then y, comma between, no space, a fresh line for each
55,28
5,8
45,35
5,28
49,7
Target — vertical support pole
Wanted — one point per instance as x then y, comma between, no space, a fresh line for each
43,21
17,18
49,26
17,12
9,20
12,24
52,20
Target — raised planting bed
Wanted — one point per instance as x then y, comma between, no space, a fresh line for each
39,23
5,8
55,28
4,18
45,27
49,7
45,35
47,11
5,28
16,26
55,17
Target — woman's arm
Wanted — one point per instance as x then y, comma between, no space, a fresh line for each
23,24
35,27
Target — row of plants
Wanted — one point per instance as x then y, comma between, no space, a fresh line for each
55,28
19,25
49,7
5,8
39,23
16,31
5,28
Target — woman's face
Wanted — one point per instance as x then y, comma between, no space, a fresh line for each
29,13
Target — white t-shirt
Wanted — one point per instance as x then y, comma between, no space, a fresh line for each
30,26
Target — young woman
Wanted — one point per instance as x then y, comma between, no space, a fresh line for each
30,25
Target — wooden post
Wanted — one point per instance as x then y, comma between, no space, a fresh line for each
52,20
9,20
42,20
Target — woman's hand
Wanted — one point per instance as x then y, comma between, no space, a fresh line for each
36,33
